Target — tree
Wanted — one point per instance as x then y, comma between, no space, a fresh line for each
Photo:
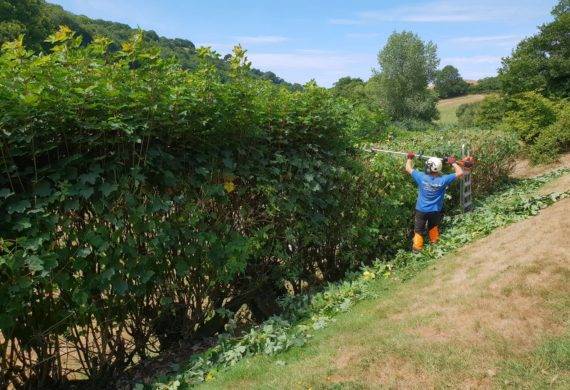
407,66
542,62
350,88
486,84
36,20
563,7
449,83
20,17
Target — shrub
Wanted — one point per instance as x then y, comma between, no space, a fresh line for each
541,123
529,114
486,85
140,202
467,114
138,198
367,124
490,112
494,152
487,113
554,140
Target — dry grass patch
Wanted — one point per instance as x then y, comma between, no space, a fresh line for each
524,169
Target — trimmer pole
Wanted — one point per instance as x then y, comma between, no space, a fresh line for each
377,150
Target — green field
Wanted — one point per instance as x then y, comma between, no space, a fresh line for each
448,107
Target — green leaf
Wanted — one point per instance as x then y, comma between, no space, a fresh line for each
107,188
147,276
86,192
80,297
6,321
22,224
19,207
119,285
35,263
90,178
5,193
108,274
84,252
43,189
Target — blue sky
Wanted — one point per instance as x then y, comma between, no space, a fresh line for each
324,40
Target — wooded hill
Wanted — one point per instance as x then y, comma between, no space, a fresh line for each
37,19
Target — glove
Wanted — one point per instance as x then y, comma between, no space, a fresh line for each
468,162
411,155
451,160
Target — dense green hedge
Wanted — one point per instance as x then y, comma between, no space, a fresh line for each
141,203
137,199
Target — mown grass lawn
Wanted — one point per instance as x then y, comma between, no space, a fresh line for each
448,107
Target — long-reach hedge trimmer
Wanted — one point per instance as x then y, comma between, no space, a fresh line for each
466,162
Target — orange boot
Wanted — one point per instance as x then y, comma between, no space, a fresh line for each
433,234
417,242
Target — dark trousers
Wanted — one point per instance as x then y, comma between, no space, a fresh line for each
430,219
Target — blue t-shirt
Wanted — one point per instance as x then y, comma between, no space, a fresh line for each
431,190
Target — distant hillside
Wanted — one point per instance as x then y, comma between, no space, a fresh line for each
37,19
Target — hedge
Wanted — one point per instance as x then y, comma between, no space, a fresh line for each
140,203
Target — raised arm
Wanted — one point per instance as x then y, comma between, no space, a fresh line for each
456,167
410,163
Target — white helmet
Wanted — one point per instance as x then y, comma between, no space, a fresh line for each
433,165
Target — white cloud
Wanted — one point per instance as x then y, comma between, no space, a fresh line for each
472,60
300,60
493,39
453,11
474,67
261,39
324,66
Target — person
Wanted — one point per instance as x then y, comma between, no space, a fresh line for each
431,193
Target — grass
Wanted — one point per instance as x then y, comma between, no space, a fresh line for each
377,341
448,107
347,353
548,366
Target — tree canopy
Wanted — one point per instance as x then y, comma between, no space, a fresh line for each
407,65
542,62
351,88
486,84
449,83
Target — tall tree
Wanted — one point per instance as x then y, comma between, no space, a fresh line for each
351,89
449,83
407,66
542,62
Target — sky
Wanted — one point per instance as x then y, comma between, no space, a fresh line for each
300,40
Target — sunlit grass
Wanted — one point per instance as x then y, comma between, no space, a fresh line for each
448,107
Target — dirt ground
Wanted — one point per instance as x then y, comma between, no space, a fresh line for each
524,169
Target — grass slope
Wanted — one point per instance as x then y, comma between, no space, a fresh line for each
448,107
479,317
